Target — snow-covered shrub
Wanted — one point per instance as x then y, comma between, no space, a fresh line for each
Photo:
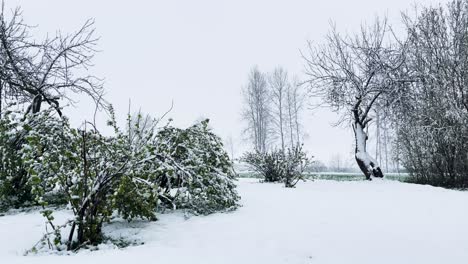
435,155
268,165
14,188
197,173
128,174
97,175
15,181
279,166
295,163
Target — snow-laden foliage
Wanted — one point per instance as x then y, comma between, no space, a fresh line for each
279,166
14,188
129,174
97,175
197,174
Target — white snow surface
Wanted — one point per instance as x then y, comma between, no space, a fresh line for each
317,222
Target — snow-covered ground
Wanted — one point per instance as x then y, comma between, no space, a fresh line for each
318,222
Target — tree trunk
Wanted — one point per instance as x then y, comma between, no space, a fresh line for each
365,162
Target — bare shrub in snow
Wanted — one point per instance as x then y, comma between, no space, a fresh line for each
431,116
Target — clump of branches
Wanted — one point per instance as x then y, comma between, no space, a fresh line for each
431,116
278,166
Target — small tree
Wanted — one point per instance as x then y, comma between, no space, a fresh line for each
49,71
351,74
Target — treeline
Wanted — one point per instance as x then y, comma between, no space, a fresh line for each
141,169
273,109
417,82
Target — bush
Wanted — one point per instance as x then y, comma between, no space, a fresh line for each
199,170
431,113
15,190
97,175
130,173
279,166
436,156
266,164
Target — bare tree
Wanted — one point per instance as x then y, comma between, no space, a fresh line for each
351,73
295,106
51,70
256,111
279,86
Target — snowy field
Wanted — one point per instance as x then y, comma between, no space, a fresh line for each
318,222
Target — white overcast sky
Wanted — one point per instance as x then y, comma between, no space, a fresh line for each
198,53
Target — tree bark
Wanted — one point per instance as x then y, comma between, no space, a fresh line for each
366,163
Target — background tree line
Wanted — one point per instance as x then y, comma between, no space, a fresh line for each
273,109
